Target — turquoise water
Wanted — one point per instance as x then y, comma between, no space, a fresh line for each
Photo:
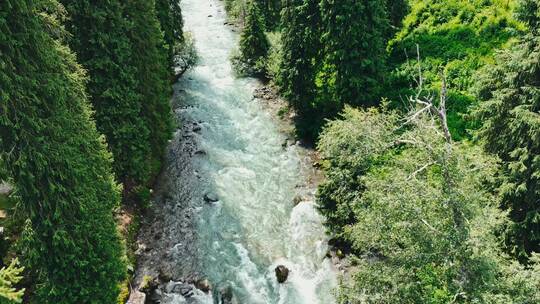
254,226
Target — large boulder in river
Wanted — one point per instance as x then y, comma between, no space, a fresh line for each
203,285
282,273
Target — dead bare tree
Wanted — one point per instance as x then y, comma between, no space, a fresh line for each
427,101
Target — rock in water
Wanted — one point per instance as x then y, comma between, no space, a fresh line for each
211,198
282,273
297,200
203,285
227,295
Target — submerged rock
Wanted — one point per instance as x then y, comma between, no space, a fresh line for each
183,289
211,198
200,152
282,273
196,128
226,295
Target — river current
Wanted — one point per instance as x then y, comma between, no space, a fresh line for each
254,226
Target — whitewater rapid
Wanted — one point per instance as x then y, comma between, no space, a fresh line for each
254,226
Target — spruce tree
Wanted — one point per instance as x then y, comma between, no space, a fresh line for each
510,90
298,65
353,40
152,75
270,10
397,10
57,161
99,37
254,44
169,14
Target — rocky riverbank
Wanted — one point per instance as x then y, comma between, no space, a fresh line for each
166,244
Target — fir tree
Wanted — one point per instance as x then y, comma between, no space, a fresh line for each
270,10
510,90
353,40
100,40
152,75
169,14
298,65
57,161
254,44
397,10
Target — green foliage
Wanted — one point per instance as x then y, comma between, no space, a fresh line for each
10,276
152,75
57,160
99,37
235,9
298,65
528,11
457,36
186,55
270,11
397,10
169,14
510,92
254,45
273,61
333,54
418,213
347,146
353,47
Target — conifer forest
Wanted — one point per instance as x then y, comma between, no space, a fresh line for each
270,151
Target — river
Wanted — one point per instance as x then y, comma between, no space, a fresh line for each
242,162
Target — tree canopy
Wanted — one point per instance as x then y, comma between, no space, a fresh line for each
57,161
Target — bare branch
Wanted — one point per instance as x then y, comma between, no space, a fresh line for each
424,167
429,226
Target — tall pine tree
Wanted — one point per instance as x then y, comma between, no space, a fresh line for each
298,65
150,60
254,44
397,10
57,161
353,39
511,112
169,14
270,9
100,40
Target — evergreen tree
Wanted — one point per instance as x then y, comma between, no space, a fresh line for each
270,10
100,40
397,10
254,44
152,75
510,90
353,39
298,65
169,14
57,161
